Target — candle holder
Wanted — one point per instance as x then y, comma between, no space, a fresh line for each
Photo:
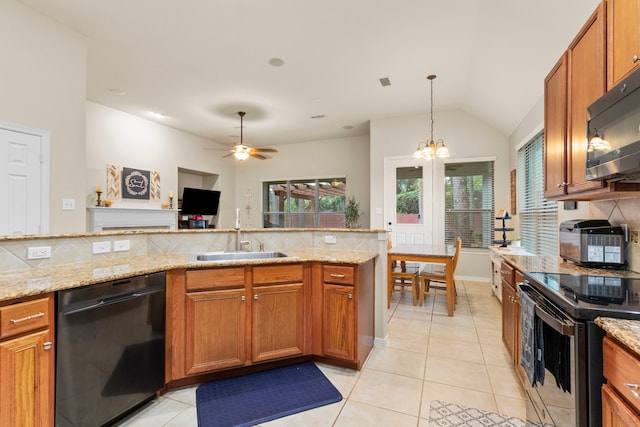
99,201
170,202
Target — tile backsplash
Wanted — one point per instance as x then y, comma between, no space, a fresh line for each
621,211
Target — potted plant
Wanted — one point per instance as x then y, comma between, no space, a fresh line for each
515,242
352,213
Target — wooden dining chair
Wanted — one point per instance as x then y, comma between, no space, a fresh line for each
406,278
433,277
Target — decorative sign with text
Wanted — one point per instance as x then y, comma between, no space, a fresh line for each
136,184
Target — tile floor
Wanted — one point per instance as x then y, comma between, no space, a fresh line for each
459,359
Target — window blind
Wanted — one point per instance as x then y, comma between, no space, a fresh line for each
538,216
469,203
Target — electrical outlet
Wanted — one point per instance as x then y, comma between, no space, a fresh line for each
330,239
101,247
121,245
39,252
634,237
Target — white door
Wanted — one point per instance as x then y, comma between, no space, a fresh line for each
408,200
21,176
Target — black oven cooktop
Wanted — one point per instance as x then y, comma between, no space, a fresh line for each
589,296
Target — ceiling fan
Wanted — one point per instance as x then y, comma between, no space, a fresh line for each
242,151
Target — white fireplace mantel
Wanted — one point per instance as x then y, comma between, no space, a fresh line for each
105,219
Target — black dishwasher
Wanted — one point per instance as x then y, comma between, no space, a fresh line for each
110,349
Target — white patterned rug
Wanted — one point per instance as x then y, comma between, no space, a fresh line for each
444,414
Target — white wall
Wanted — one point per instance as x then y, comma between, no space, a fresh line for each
466,137
118,138
42,85
318,159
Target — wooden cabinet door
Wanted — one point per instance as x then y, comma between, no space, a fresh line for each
615,412
586,83
215,325
555,127
27,380
508,318
623,39
339,322
277,327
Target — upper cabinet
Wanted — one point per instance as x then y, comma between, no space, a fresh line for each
623,39
575,82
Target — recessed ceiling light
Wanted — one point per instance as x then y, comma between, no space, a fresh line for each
347,127
384,81
276,62
118,92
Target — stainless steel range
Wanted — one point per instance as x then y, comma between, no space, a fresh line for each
571,359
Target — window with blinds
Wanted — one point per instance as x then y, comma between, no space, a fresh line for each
469,203
538,217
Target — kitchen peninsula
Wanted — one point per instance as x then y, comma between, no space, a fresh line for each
326,287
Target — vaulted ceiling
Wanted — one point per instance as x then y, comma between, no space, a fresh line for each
198,62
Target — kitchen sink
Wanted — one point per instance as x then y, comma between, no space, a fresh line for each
233,256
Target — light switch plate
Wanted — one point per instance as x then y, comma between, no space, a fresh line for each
39,252
121,245
68,204
330,239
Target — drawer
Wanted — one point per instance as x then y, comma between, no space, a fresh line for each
508,273
273,274
339,274
518,277
24,316
215,278
622,371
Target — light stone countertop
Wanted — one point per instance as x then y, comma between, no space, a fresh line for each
625,331
20,283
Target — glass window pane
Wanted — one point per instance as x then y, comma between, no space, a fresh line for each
409,195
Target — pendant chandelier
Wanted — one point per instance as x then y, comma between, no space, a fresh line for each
431,148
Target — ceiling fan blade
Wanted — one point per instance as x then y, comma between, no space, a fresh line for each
264,150
257,156
227,155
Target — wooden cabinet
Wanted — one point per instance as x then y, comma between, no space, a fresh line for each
27,362
577,80
623,39
231,317
347,312
278,327
620,400
574,83
510,309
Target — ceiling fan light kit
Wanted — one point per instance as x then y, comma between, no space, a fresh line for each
431,149
242,151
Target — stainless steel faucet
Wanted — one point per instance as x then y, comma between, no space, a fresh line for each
239,242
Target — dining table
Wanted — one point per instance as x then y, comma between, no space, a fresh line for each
438,253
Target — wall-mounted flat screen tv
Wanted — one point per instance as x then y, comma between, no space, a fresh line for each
196,201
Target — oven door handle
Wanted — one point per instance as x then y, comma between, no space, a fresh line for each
559,326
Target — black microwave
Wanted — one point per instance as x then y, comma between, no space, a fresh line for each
613,133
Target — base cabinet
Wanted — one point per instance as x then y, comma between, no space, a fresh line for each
214,330
615,411
27,363
339,323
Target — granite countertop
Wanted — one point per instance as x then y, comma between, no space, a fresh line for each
555,264
625,331
19,283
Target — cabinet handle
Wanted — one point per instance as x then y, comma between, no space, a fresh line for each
22,319
339,276
255,297
635,59
243,298
349,296
48,345
633,388
563,184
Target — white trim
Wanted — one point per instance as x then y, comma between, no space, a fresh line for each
470,159
45,168
536,130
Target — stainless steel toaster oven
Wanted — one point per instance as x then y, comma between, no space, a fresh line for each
592,243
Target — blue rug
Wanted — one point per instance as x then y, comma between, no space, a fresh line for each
263,396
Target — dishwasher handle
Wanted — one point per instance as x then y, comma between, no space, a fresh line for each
103,302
